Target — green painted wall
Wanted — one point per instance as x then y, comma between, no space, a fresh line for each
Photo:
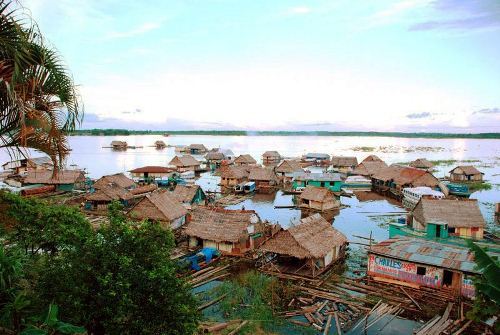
332,185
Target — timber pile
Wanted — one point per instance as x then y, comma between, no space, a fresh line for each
207,275
231,199
444,324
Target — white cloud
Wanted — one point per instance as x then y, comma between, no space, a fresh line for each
299,10
142,29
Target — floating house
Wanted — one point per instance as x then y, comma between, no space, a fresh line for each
232,232
196,149
412,195
142,191
422,163
318,199
118,179
233,175
357,183
420,262
160,145
245,160
160,206
264,178
64,180
372,158
332,181
286,170
29,164
316,158
466,173
185,163
105,194
189,194
308,249
151,173
214,159
119,145
271,158
368,168
344,164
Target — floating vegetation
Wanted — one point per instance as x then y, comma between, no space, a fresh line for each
454,161
364,149
479,186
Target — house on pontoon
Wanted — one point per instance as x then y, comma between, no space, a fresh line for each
149,174
308,248
344,164
103,196
332,181
271,158
372,158
119,145
64,180
214,159
196,149
287,169
422,163
245,160
189,194
118,179
160,145
185,163
264,178
318,199
466,173
316,158
233,175
368,168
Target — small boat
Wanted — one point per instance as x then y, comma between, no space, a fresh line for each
460,190
240,188
249,187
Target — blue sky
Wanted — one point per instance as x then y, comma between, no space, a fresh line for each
410,65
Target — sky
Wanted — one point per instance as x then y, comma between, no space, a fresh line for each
399,65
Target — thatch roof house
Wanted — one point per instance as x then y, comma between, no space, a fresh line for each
368,168
271,158
308,248
119,145
196,149
189,194
143,190
333,181
422,163
214,156
372,158
105,194
233,175
233,232
160,144
344,164
150,173
461,218
318,199
265,179
119,179
286,170
160,206
185,163
64,180
244,159
466,173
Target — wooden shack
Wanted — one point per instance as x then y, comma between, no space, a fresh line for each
318,199
245,160
466,173
307,249
271,158
189,194
233,175
160,206
316,158
265,179
333,181
143,190
185,163
344,164
368,168
196,149
214,159
29,164
151,173
102,197
422,163
119,145
233,232
118,179
372,158
160,145
64,180
287,169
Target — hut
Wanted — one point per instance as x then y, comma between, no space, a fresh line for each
466,173
372,158
105,194
196,149
245,160
185,163
448,217
160,206
315,158
143,190
264,178
29,164
318,199
119,145
189,194
271,158
422,163
64,180
286,170
368,168
421,262
308,248
233,232
344,164
118,179
160,144
233,175
151,173
332,181
214,159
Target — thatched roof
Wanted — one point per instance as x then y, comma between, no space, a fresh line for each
118,143
372,158
109,192
289,166
313,237
214,156
369,168
421,163
158,206
62,177
185,193
235,172
199,147
152,169
344,161
467,170
160,143
456,213
119,179
403,175
314,193
144,189
183,161
271,155
262,174
245,159
221,225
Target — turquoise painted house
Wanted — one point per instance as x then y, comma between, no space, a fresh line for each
331,181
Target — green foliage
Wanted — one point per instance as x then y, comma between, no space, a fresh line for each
51,325
479,186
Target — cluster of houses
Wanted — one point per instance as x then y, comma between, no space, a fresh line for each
428,249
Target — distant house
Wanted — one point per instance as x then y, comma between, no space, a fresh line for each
368,168
372,158
286,170
422,163
185,163
316,158
189,194
119,145
228,154
160,145
421,262
196,149
332,181
118,179
29,164
271,158
245,160
160,207
233,175
265,179
448,217
318,199
214,159
466,173
344,164
233,232
65,180
151,173
308,248
105,194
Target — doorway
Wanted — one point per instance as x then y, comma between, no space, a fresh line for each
447,278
